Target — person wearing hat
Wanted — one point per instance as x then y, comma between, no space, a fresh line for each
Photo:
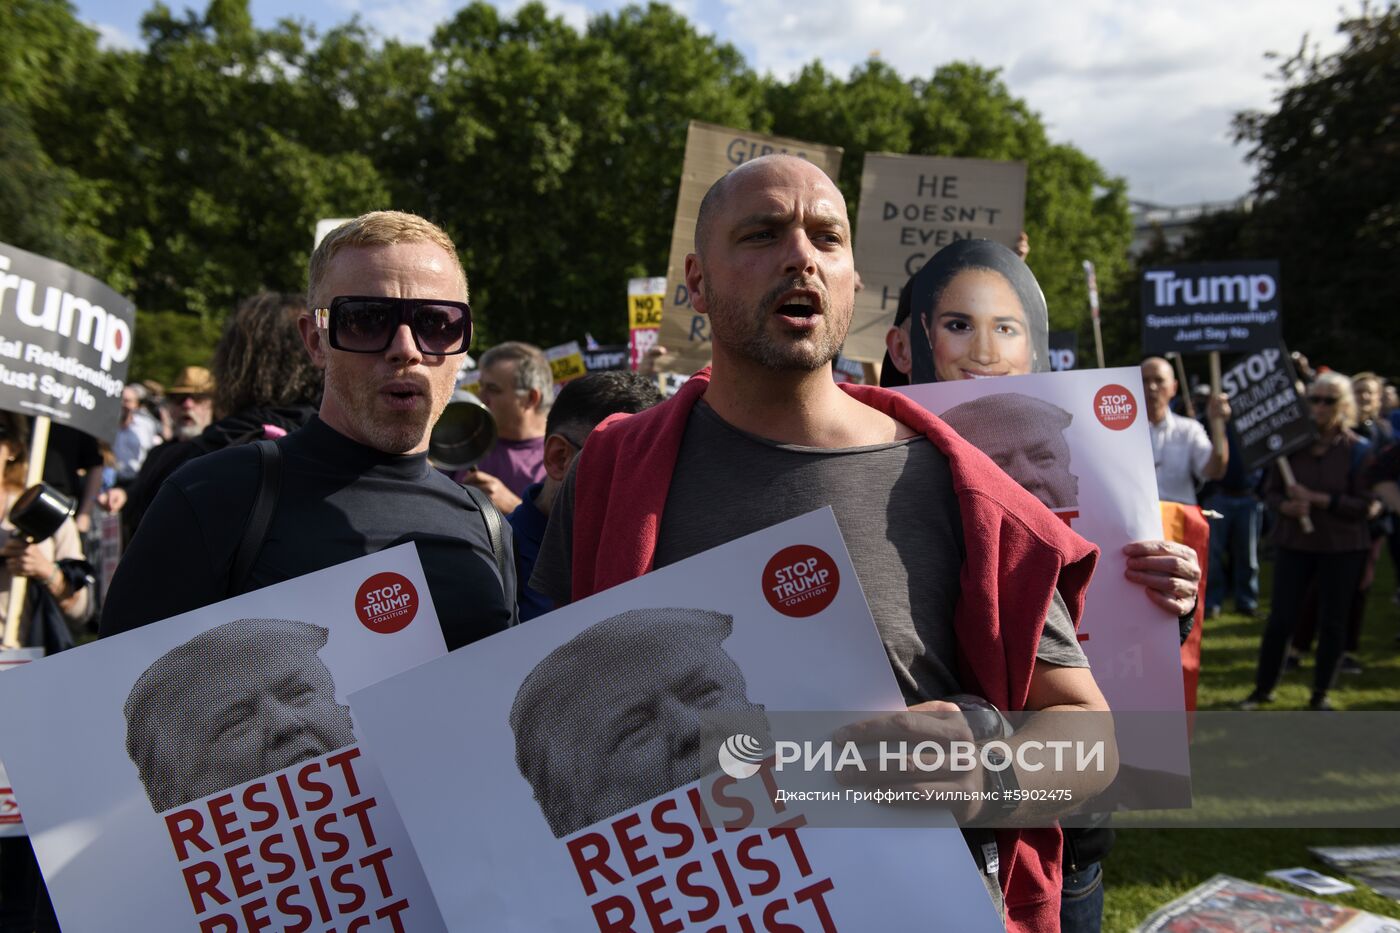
190,400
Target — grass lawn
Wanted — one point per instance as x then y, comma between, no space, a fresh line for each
1149,867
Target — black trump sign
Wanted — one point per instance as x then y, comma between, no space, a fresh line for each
1267,411
1231,306
65,339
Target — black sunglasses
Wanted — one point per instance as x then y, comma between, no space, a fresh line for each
1323,399
367,324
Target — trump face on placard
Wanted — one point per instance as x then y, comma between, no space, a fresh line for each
234,703
625,712
1025,436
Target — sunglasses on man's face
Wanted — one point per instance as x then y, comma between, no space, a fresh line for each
366,324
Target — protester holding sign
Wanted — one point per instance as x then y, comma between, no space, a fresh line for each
1185,457
389,319
55,566
775,436
981,313
1330,490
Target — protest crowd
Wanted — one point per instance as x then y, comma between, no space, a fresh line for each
338,424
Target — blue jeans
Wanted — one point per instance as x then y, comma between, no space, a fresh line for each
1234,540
1081,900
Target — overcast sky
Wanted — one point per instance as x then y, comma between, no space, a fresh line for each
1146,89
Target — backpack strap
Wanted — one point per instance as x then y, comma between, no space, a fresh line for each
260,519
495,534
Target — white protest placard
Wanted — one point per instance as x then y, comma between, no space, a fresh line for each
1079,442
551,777
912,206
710,152
204,773
11,821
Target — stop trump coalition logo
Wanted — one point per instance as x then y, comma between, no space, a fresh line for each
1115,407
800,581
386,603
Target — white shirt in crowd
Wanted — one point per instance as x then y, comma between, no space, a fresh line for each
1180,451
133,442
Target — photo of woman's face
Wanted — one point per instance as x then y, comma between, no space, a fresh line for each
978,329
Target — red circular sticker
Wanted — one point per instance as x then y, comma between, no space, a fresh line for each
386,603
801,581
1115,407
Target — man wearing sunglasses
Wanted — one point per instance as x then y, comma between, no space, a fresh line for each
388,324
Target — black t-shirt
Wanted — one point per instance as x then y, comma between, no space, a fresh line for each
339,500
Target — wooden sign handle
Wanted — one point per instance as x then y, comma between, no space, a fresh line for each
1285,470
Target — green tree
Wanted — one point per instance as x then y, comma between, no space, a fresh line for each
1327,197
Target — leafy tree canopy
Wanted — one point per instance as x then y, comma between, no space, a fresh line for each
191,173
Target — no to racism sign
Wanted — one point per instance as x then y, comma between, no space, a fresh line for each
710,152
65,339
1270,416
910,208
645,298
1230,306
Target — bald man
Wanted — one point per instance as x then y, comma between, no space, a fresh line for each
767,435
1182,453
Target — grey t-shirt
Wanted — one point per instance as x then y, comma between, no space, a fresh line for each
896,509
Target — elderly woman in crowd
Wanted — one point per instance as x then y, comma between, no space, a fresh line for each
1321,535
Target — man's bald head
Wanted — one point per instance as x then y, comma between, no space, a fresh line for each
1158,386
712,205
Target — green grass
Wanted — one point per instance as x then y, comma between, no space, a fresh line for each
1149,867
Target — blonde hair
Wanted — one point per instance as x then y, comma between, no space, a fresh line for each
1346,400
377,228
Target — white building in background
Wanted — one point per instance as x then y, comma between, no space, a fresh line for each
1174,223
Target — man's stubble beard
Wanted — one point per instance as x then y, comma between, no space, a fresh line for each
744,331
394,433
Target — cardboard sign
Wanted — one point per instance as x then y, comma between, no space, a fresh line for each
1079,442
1232,306
710,152
1064,350
566,362
325,226
546,789
1272,419
204,773
645,299
65,340
912,206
